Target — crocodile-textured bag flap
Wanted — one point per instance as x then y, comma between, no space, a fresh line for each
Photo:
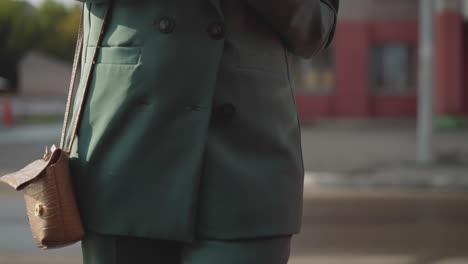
21,178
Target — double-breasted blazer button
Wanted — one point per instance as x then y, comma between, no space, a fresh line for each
216,30
166,25
225,112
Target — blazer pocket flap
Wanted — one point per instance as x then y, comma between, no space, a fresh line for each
115,55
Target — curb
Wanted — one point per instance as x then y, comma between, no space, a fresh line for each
48,258
381,193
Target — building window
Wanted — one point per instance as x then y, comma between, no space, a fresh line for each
392,68
314,75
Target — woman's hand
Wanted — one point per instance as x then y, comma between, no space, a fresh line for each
306,26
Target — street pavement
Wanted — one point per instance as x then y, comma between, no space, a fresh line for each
366,201
340,226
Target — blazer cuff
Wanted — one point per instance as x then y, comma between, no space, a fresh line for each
329,17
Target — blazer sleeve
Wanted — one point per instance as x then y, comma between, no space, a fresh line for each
306,26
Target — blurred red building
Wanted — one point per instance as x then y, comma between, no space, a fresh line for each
371,69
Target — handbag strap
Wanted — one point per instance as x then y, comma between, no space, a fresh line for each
76,61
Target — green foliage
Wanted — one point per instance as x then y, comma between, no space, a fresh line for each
58,28
18,30
51,28
17,27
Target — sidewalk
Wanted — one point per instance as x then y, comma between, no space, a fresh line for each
382,154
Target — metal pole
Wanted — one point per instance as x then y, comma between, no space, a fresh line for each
426,70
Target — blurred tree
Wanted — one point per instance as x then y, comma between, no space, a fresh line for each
58,28
17,32
68,30
51,28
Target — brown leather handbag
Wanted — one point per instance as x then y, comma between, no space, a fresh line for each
46,183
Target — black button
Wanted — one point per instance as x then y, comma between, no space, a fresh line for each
216,31
166,25
224,112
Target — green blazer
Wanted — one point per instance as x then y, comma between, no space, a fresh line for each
190,128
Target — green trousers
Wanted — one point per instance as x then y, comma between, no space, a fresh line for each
105,249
